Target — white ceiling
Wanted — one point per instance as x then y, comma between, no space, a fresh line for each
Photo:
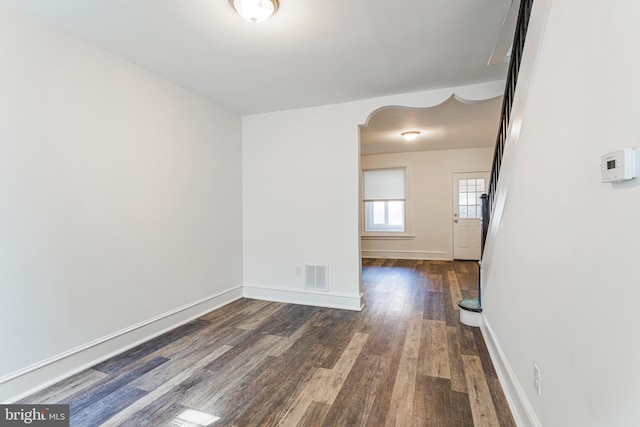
456,123
310,53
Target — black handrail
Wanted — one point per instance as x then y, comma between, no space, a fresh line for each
505,116
487,200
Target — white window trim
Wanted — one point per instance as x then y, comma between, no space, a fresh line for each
408,204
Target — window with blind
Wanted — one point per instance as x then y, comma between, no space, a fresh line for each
384,196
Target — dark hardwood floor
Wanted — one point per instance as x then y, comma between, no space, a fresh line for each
405,360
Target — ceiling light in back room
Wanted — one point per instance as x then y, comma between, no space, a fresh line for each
255,11
410,135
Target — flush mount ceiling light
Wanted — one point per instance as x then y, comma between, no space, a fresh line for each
411,135
255,10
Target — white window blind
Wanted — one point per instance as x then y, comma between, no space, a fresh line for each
383,184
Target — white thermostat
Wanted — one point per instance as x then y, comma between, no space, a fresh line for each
618,166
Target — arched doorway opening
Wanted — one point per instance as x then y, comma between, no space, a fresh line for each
410,207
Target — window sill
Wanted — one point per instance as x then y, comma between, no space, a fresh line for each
388,236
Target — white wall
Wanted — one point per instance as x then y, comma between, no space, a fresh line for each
561,276
431,200
301,191
120,199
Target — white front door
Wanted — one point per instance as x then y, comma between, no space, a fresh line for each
467,232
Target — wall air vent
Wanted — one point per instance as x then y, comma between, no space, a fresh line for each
316,277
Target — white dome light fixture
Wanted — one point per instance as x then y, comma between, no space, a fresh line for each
255,11
410,135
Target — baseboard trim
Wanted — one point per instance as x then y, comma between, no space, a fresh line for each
521,409
304,297
33,378
412,255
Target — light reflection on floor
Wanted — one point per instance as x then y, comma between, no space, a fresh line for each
193,418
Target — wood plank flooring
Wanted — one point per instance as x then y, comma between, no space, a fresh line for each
405,360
